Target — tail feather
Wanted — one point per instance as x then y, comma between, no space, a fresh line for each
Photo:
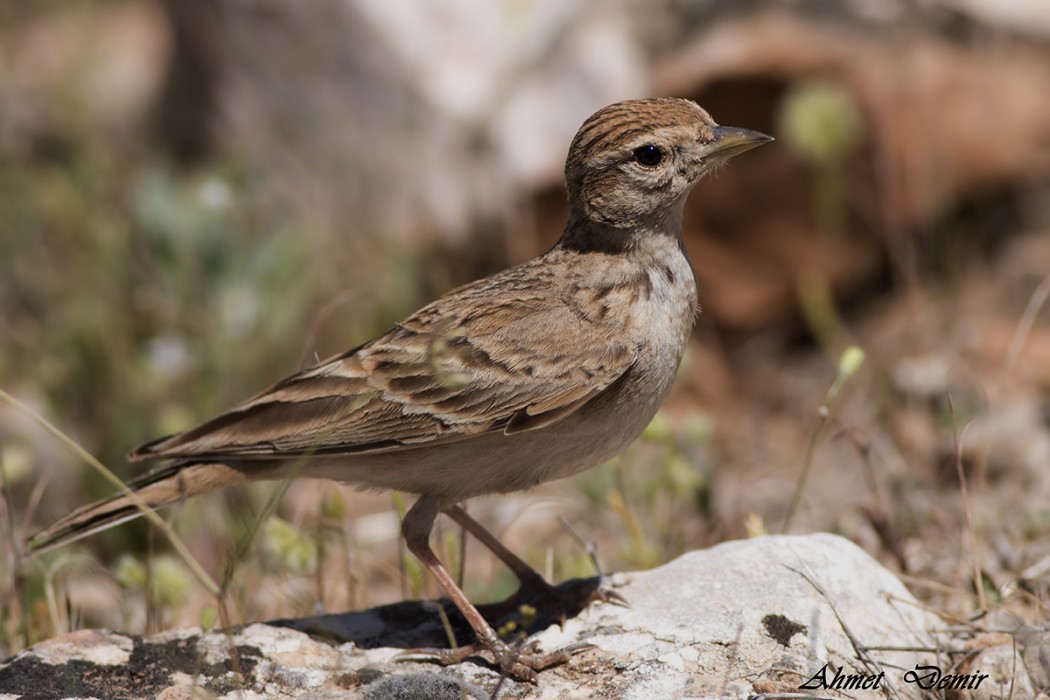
160,487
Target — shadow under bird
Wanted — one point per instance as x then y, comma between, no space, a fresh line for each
536,373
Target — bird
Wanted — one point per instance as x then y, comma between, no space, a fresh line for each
533,374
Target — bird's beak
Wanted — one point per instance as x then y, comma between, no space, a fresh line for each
729,141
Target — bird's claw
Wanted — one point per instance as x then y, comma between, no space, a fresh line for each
519,663
607,595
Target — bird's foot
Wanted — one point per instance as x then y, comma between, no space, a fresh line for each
606,595
520,663
560,602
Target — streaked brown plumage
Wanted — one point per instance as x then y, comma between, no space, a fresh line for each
533,374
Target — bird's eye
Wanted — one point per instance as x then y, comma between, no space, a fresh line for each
648,155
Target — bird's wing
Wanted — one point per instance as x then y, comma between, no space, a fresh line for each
515,362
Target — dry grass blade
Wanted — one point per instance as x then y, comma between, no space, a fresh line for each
978,580
1024,326
151,515
858,648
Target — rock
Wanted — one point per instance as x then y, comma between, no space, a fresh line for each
759,615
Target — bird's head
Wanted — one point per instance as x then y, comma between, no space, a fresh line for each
633,163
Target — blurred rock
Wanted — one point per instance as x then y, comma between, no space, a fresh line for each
419,118
926,375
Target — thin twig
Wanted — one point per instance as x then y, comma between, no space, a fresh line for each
590,547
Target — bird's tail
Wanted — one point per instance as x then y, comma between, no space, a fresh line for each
160,487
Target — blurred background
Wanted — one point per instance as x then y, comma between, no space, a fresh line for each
199,198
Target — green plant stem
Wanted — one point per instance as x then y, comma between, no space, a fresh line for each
849,362
811,449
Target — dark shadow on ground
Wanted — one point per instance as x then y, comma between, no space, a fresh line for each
415,623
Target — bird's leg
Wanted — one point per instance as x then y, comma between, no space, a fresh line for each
534,589
520,663
527,576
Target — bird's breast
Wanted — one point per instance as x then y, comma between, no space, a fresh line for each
663,320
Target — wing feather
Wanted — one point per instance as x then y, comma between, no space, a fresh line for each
459,367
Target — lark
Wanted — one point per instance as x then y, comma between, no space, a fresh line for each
536,373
